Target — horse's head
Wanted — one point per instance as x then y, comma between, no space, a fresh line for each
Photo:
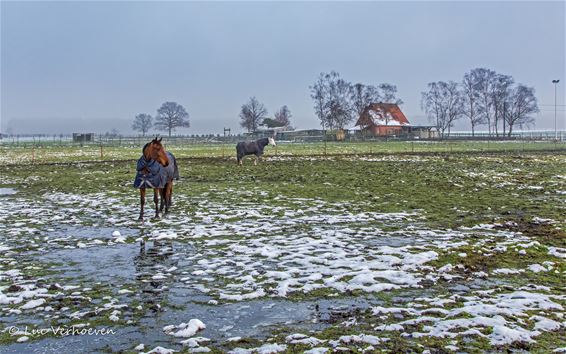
155,151
271,141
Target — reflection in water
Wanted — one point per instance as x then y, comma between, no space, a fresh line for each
153,267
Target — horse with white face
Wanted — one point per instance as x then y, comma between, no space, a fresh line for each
244,148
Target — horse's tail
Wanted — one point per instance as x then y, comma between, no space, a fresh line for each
176,169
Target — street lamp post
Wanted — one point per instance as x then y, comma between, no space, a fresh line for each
555,82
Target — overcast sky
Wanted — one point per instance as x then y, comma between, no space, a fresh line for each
92,66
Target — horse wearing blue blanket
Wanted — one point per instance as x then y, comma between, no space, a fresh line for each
156,169
244,148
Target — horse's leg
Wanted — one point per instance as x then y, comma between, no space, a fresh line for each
156,201
169,196
162,197
165,198
256,158
142,202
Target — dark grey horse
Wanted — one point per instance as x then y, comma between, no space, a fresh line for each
252,148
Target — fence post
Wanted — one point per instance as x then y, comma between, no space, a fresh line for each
33,154
101,152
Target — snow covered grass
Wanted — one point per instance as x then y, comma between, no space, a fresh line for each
449,253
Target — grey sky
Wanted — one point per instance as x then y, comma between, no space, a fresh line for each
92,66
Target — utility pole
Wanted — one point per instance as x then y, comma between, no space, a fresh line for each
226,130
504,116
555,82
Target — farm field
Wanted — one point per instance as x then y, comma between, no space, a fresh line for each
368,248
53,152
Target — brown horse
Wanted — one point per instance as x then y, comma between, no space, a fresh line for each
156,169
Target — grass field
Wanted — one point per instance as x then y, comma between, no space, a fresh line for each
370,247
67,152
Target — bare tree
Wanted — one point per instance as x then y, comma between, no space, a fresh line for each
319,94
362,96
500,93
283,116
432,104
142,123
453,103
485,80
171,116
389,94
252,114
331,95
470,101
340,108
521,105
442,104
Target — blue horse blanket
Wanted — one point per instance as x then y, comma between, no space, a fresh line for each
151,174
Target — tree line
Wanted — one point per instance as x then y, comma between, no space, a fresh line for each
338,102
253,114
170,116
483,97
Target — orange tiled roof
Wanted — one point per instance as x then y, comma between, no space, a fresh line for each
374,113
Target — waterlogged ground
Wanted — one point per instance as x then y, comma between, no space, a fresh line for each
400,253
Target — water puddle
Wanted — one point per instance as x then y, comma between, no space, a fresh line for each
7,191
255,319
119,262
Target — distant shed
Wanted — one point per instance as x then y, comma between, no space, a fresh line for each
83,137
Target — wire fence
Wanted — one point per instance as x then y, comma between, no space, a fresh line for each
299,136
11,154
